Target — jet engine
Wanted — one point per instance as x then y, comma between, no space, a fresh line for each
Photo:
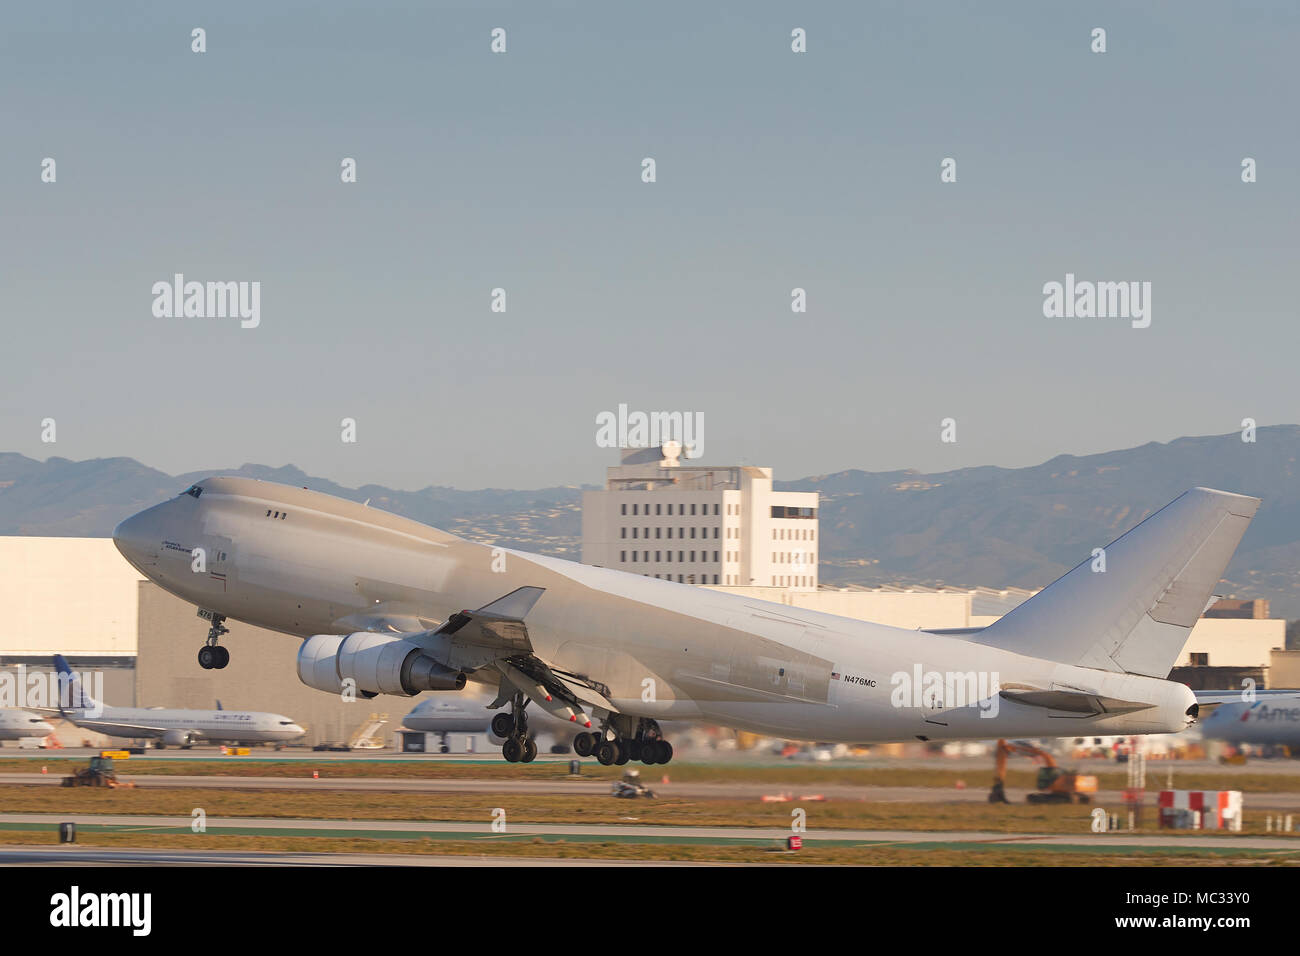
375,663
180,738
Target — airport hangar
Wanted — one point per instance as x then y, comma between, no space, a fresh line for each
79,597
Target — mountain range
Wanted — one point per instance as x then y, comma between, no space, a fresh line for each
986,526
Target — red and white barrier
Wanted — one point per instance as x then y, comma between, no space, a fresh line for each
1200,809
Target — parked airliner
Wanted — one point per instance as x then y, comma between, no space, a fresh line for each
388,605
180,728
1271,720
19,724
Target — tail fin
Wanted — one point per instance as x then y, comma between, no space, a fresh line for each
71,694
1135,616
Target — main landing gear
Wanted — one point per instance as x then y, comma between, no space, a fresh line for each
519,746
212,656
646,744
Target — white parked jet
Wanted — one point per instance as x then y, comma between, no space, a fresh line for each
444,716
19,724
181,728
1272,720
381,602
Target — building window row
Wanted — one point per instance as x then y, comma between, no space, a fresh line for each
689,578
791,581
681,532
784,511
644,509
665,556
793,557
794,534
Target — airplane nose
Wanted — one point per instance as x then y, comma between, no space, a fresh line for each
134,538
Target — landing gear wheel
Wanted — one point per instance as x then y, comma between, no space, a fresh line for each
624,753
210,654
512,750
650,752
607,752
584,744
530,751
634,749
503,725
663,752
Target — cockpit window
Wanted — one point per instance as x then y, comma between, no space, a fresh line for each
193,491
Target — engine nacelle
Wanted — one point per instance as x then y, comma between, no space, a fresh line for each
180,738
376,663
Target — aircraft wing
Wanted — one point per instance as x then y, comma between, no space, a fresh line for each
469,640
116,728
496,636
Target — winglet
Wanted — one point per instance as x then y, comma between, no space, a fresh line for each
514,605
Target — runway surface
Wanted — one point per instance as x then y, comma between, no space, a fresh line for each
638,833
73,855
1156,769
575,786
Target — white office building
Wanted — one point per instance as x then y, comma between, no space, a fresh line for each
701,525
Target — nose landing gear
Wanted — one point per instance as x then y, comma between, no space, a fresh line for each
213,656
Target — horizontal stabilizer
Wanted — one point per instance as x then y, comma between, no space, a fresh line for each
1074,702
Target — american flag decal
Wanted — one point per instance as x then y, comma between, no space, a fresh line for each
835,675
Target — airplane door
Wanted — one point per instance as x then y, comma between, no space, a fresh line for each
220,562
933,704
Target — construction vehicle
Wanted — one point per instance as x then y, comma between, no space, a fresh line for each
100,773
631,787
1054,784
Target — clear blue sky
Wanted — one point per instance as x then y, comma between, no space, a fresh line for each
522,171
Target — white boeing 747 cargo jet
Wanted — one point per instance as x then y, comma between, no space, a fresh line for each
387,605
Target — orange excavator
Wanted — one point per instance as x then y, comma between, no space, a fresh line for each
1054,784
